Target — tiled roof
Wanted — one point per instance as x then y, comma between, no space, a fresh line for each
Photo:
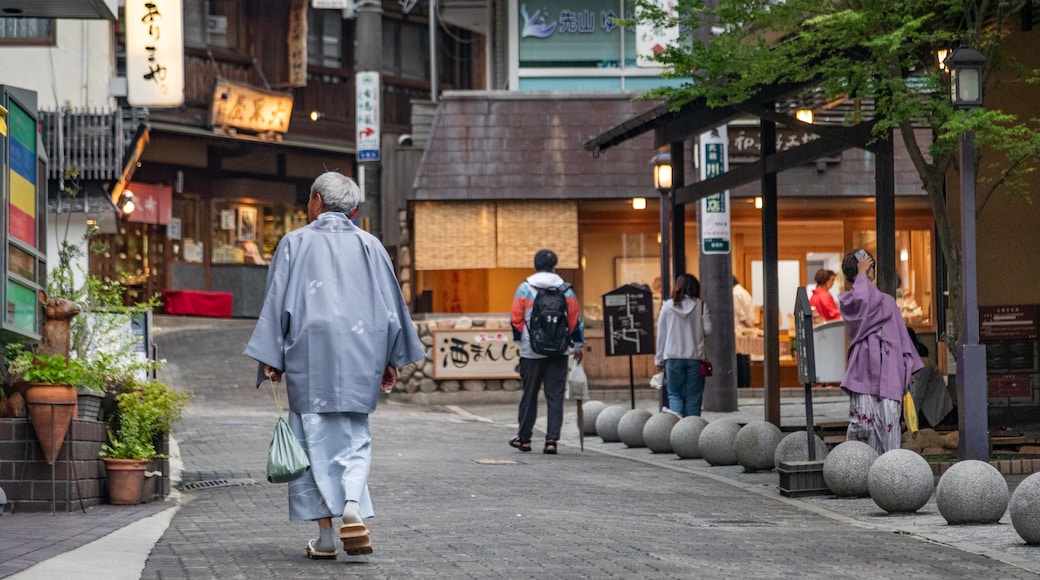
509,145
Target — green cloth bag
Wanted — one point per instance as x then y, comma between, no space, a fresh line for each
286,459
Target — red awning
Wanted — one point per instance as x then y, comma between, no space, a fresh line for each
154,203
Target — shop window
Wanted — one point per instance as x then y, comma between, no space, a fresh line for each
915,286
186,230
325,38
248,234
213,24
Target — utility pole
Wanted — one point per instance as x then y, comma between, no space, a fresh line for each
369,58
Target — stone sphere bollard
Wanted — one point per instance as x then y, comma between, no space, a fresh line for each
1025,509
755,444
795,447
657,433
900,481
972,492
716,442
630,427
686,435
590,410
607,423
846,467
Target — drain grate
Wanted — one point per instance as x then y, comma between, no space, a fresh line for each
497,461
213,483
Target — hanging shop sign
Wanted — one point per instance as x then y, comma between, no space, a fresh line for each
652,40
154,53
368,115
714,209
241,106
297,41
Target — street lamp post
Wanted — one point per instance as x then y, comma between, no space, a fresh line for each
662,163
965,66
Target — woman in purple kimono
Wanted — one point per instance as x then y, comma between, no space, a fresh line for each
881,357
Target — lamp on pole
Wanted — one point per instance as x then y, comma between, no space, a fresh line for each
965,66
662,163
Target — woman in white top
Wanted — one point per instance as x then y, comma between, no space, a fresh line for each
681,327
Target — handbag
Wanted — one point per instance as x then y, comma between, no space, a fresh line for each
706,368
910,413
286,459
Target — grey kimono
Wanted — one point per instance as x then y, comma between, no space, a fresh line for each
333,319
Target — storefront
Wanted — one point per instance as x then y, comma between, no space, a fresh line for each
481,209
212,208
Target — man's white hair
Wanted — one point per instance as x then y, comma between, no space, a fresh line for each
338,192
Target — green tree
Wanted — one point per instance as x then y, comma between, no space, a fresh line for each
884,50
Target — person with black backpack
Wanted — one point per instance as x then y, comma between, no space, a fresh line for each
546,324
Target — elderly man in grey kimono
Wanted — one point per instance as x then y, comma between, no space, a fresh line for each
335,325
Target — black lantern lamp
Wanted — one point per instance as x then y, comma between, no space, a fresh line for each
965,66
662,163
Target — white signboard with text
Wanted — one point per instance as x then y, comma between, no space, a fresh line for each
368,115
653,40
154,53
714,209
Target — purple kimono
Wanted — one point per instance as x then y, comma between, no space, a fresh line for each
881,355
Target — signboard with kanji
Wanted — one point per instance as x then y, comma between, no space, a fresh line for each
803,333
628,321
368,115
154,53
1013,322
475,353
714,209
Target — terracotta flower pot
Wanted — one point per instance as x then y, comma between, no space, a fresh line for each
125,480
51,410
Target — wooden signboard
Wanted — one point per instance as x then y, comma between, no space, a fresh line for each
475,353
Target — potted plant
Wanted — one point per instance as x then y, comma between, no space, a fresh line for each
146,410
49,393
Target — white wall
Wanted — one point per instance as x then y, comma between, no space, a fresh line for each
77,226
76,72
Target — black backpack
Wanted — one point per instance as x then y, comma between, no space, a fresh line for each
548,328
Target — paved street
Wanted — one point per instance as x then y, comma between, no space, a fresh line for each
453,500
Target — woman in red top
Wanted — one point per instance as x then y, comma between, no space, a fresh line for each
821,299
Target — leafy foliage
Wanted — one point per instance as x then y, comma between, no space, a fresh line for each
883,50
146,410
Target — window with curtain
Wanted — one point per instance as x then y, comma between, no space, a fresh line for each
27,31
213,24
325,38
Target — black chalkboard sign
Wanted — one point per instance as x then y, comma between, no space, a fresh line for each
628,321
803,334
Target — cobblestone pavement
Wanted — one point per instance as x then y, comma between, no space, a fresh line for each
453,500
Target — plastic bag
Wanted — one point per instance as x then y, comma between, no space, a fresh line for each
577,383
286,459
910,413
657,381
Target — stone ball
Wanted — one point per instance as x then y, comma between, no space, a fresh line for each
630,427
686,435
795,447
590,411
972,492
1025,509
755,444
607,423
900,481
657,433
846,467
717,442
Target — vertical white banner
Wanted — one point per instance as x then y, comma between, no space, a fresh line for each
367,95
714,209
653,40
154,53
